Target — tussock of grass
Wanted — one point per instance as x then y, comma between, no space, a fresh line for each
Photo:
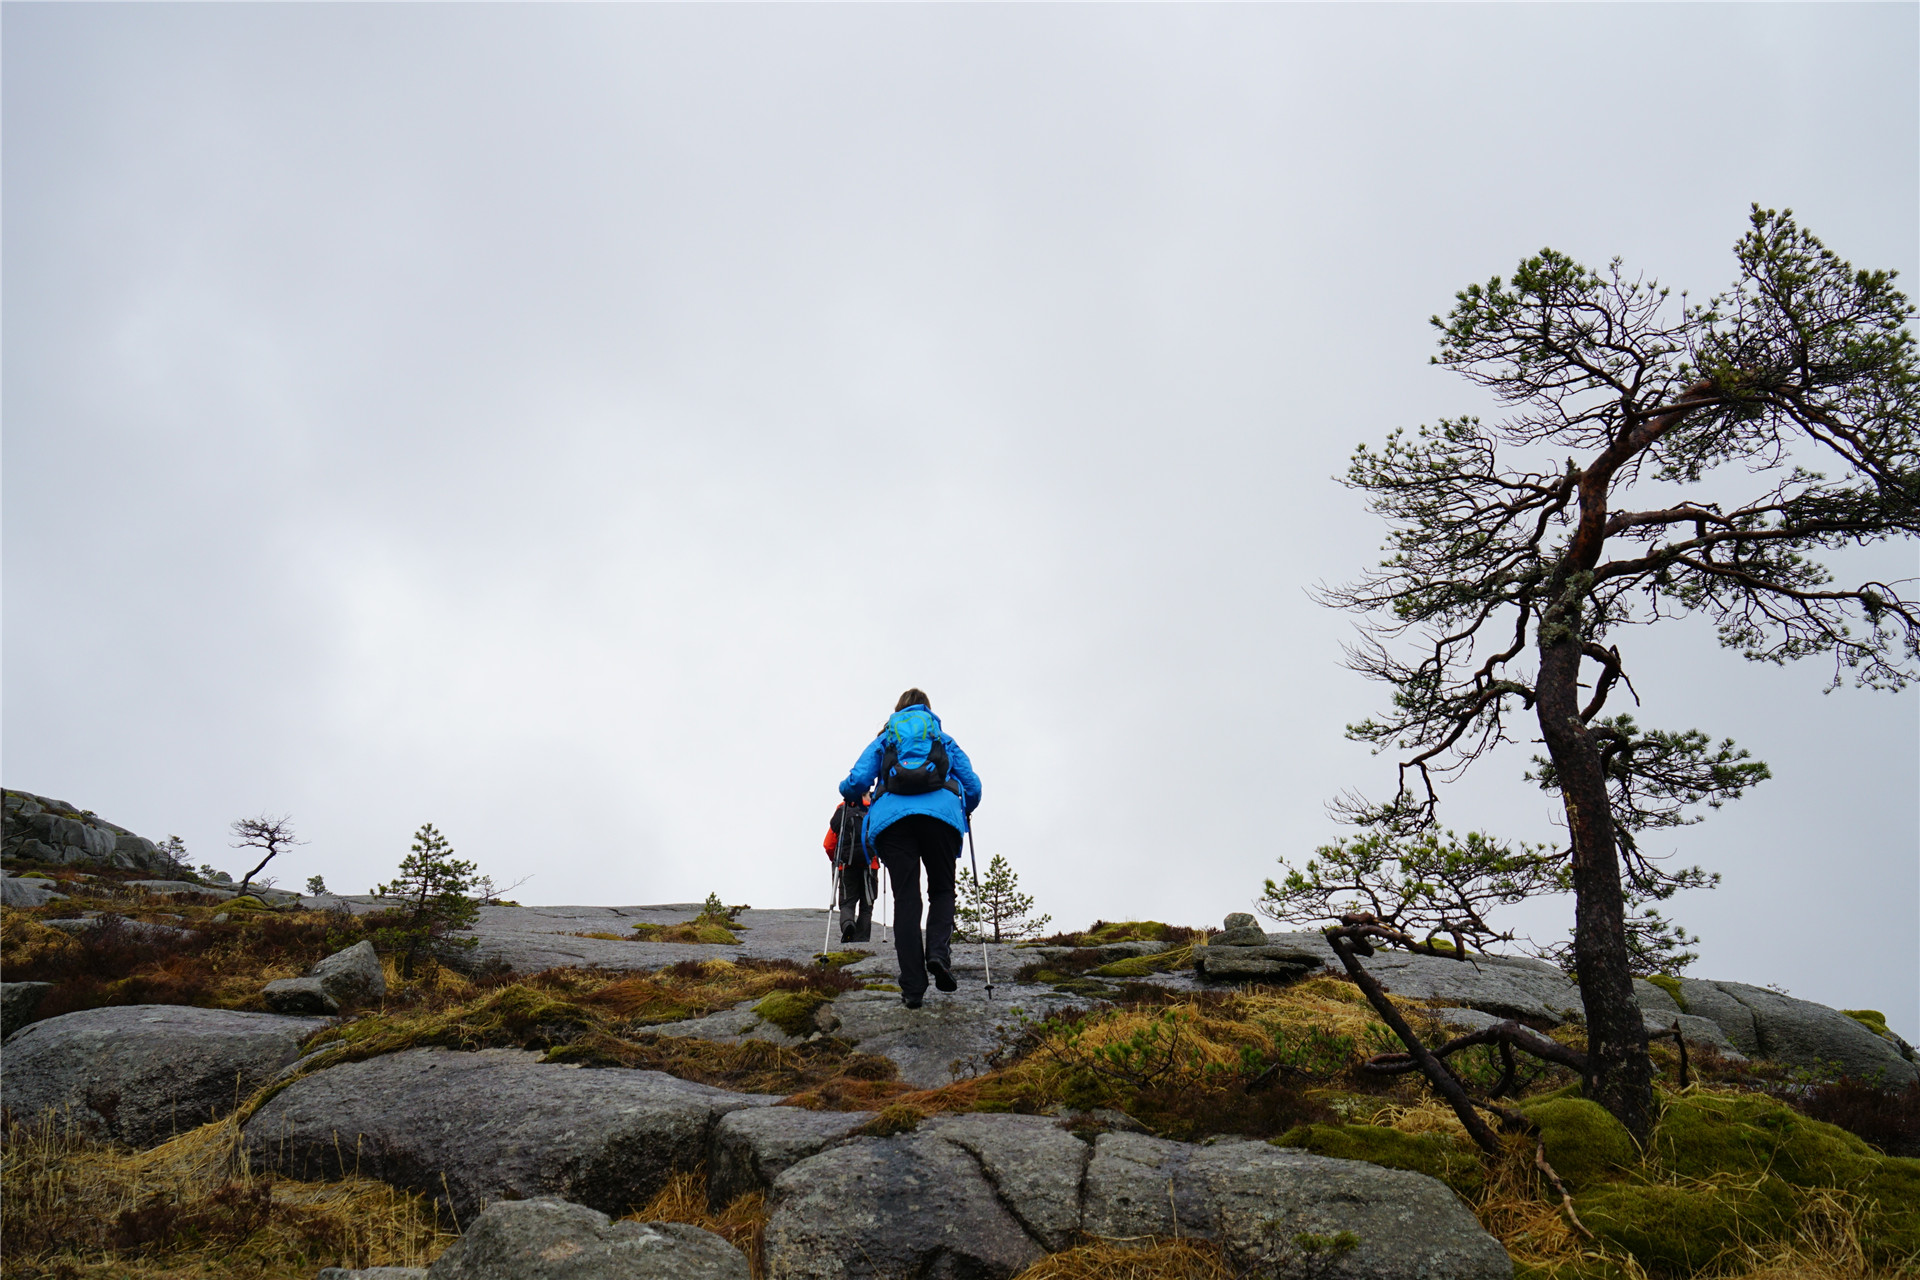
1142,1260
1119,931
895,1118
73,1208
690,931
742,1223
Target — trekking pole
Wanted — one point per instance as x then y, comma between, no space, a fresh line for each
975,859
839,850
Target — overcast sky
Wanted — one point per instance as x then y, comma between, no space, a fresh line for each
573,426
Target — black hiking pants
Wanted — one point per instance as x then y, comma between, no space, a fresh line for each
916,841
856,900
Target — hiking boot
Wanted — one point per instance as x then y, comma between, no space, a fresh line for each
912,1002
942,975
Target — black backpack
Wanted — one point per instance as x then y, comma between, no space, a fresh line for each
914,761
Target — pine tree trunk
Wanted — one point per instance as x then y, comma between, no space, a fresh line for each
1619,1072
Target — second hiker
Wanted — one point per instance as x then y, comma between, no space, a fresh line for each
925,788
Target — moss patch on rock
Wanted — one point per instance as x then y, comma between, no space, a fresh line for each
1704,1134
791,1011
1585,1143
1437,1155
1872,1019
1677,1231
692,931
1145,966
1671,985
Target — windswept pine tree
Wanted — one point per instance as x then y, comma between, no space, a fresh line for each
1661,458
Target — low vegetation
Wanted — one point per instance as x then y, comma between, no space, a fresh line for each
1753,1172
717,923
75,1209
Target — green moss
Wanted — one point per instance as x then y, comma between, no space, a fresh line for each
1138,966
1893,1223
34,875
1087,987
1126,931
1437,1155
839,959
1704,1134
1872,1019
1671,985
881,986
1677,1231
245,902
693,931
791,1011
1586,1145
515,1016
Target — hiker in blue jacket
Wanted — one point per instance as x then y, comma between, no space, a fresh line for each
926,788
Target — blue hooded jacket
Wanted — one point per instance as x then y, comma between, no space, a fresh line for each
939,803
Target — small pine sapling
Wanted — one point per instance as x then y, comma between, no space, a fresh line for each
316,885
174,851
992,909
433,890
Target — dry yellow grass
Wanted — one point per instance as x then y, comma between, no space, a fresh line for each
74,1208
1145,1260
743,1223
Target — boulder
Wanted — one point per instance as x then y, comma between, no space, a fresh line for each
1033,1165
140,1073
18,1001
352,976
1256,1200
21,891
986,1195
498,1124
548,1239
1281,961
886,1208
931,1046
299,995
1240,931
1531,991
1801,1033
752,1147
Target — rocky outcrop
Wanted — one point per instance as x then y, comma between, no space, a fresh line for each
753,1146
987,1195
1800,1033
28,891
472,1128
18,1002
935,1045
138,1074
547,1239
47,830
345,978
